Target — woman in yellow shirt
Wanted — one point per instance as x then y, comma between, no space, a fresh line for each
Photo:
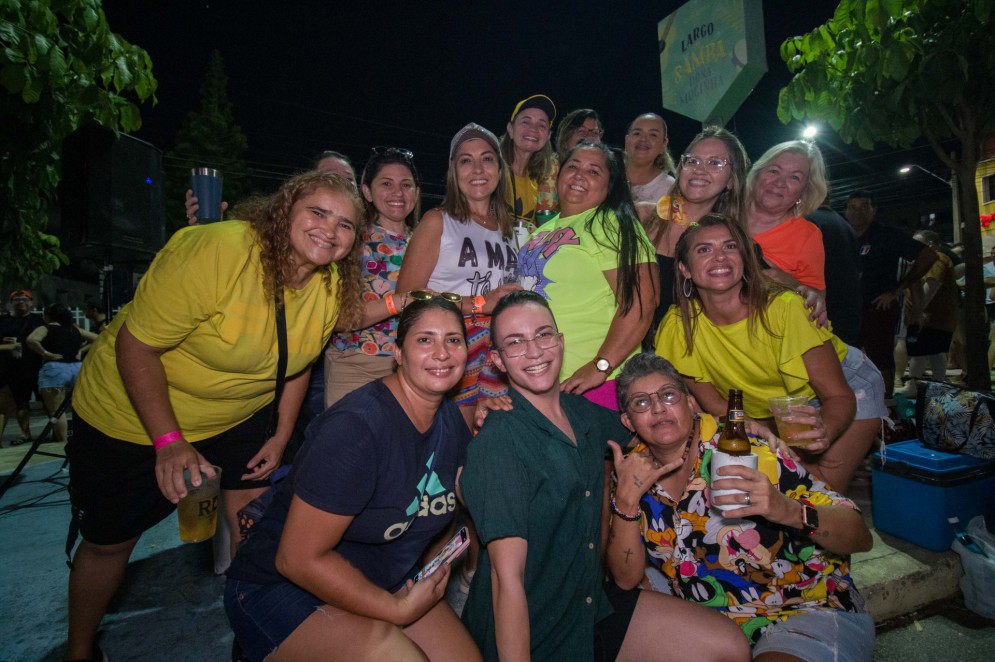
184,378
734,328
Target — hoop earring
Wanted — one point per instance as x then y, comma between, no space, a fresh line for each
687,288
745,279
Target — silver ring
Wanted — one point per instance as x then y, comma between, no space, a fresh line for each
747,499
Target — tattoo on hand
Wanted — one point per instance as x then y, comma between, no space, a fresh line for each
628,553
637,482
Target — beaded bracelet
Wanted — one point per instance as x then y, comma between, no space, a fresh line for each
622,516
389,300
166,439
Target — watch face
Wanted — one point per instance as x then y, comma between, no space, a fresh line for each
603,365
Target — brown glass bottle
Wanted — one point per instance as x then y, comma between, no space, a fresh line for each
733,440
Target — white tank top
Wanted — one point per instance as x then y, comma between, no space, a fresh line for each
472,259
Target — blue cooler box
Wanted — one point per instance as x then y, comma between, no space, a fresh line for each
916,489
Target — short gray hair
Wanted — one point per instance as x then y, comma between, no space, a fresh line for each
816,187
642,365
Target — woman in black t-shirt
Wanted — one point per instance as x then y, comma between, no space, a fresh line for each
58,343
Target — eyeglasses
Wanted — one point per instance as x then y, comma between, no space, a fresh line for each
711,164
519,346
642,402
584,132
405,154
426,295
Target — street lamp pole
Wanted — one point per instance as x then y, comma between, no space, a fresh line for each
952,183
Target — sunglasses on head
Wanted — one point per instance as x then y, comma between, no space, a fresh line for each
426,295
405,154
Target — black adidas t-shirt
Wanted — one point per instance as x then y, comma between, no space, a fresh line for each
363,457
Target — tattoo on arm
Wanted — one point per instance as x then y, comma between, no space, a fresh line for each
628,553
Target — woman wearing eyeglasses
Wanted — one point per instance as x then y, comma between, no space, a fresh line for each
776,563
533,481
710,178
390,188
465,247
578,125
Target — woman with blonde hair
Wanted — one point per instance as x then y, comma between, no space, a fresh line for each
531,162
648,164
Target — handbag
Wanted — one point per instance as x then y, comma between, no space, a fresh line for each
952,419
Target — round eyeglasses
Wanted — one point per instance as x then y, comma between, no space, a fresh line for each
711,164
519,346
642,402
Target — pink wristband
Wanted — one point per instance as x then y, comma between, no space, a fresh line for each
166,439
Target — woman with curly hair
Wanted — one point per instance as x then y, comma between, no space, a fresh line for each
185,377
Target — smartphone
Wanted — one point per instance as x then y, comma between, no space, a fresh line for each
456,546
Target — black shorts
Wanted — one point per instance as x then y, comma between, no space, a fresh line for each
609,632
112,484
926,341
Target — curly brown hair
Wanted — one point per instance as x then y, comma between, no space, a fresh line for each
270,220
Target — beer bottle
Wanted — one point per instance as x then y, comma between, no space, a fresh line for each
733,440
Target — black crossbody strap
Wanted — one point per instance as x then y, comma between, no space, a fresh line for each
281,367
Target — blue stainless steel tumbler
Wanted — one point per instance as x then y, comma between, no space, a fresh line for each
206,185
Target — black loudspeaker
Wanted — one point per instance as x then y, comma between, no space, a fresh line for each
111,197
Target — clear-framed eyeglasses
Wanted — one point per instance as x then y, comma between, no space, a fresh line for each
519,346
584,132
642,402
711,164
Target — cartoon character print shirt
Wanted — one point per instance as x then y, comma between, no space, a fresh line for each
564,260
756,572
379,263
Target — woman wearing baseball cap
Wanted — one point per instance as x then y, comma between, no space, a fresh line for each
532,163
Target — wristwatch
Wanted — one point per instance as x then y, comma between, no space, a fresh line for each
603,365
810,519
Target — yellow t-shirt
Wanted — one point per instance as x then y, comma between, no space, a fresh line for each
524,194
202,300
763,366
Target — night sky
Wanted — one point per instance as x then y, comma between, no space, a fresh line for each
307,76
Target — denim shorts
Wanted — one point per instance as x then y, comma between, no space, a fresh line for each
829,635
262,616
867,384
56,374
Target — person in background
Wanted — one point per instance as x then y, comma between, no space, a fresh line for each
932,310
93,310
884,253
184,378
327,572
777,565
648,164
327,161
540,594
58,343
532,165
18,367
710,178
595,265
839,244
465,248
785,184
734,328
390,186
577,125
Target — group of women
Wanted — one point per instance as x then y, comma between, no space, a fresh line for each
208,367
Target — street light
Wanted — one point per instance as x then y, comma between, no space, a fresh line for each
810,132
955,202
908,168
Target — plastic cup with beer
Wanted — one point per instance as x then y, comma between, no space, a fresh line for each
206,184
198,510
781,408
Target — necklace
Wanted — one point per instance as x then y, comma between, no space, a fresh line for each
658,491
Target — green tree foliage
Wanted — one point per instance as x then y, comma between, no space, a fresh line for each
894,71
208,137
60,67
